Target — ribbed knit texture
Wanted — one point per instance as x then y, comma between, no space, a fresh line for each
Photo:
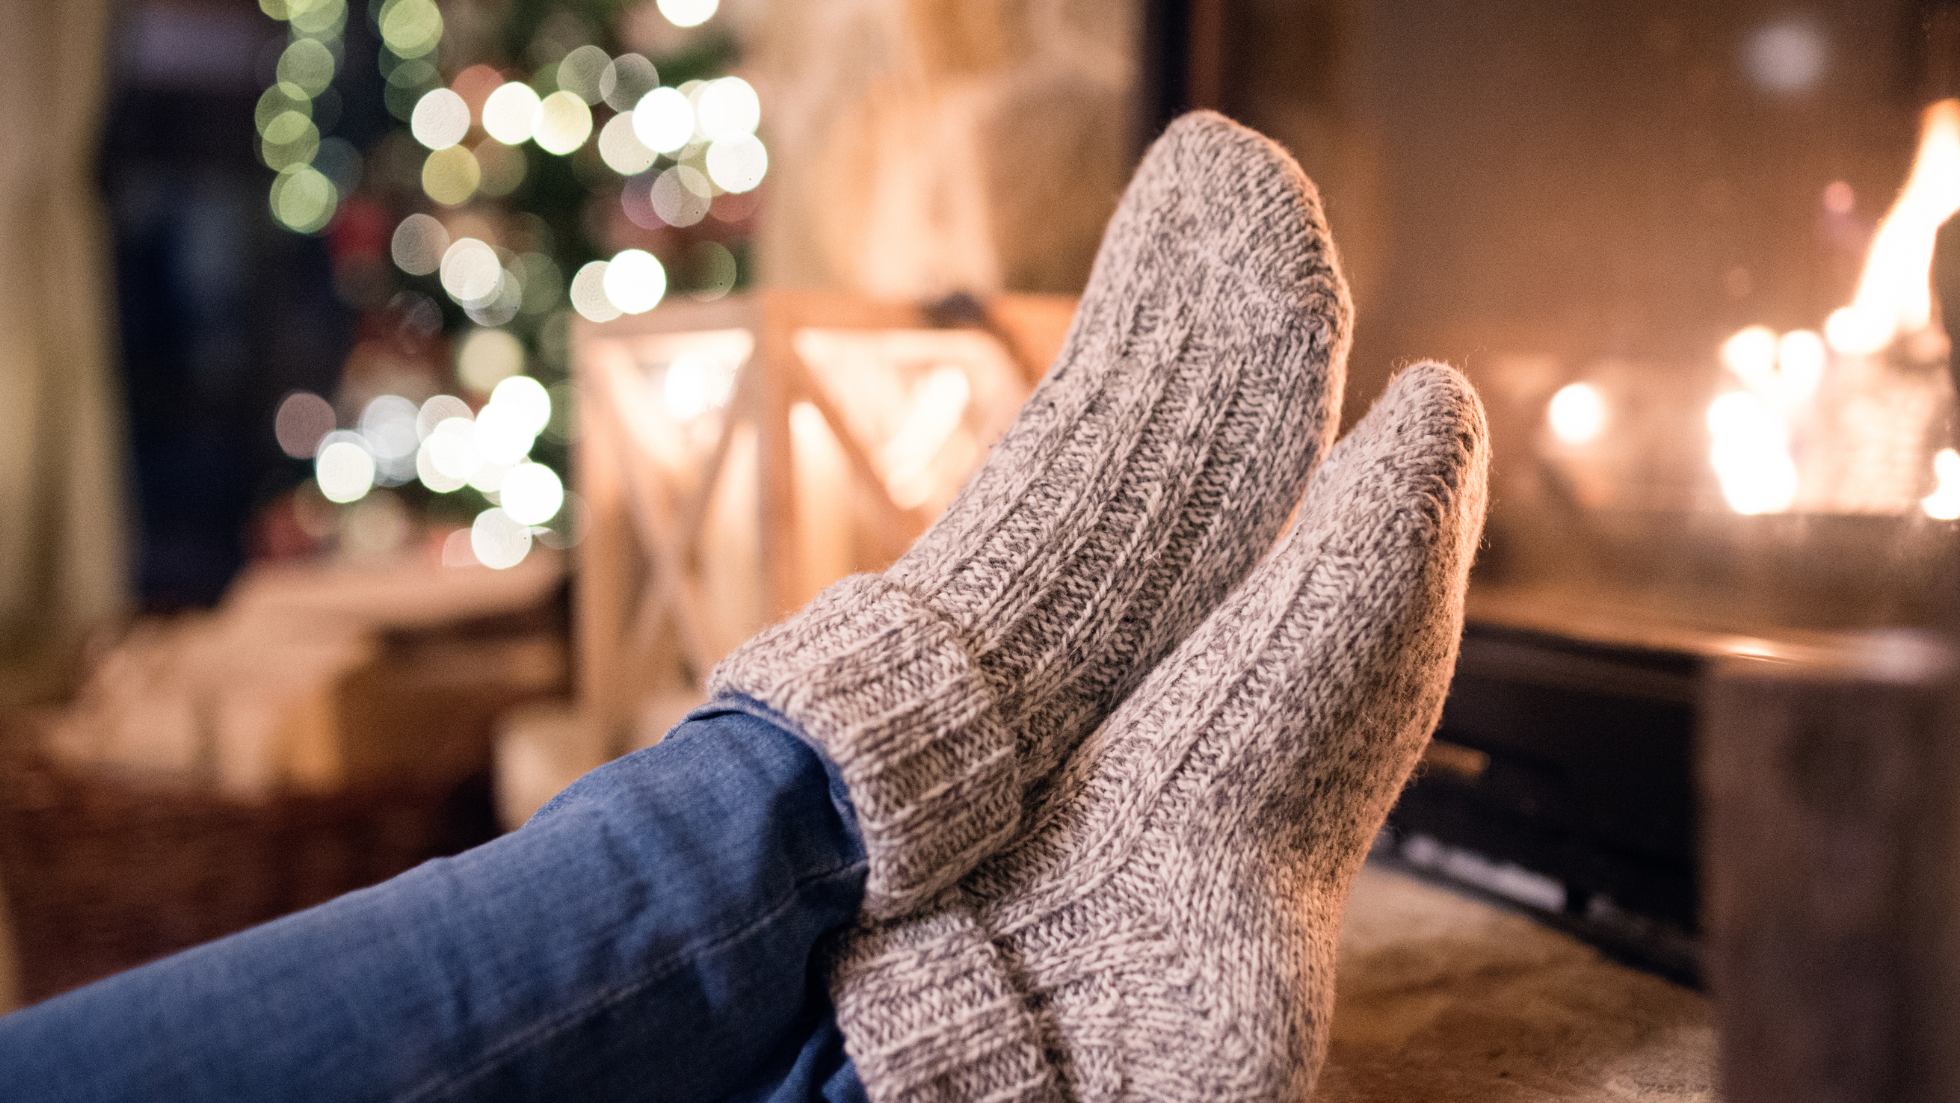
1165,929
1199,385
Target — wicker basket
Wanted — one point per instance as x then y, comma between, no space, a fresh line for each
104,872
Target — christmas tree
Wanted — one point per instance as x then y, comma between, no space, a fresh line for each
543,157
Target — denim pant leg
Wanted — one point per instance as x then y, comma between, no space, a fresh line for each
648,935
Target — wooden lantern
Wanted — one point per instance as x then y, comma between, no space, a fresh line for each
740,455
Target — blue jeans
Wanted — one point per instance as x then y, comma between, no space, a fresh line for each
652,933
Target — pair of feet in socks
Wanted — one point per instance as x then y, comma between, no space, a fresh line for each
1114,779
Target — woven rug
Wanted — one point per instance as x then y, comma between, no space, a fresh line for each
1442,998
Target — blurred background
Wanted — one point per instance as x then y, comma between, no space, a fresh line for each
406,401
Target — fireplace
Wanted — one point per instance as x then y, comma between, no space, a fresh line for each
1687,254
1785,505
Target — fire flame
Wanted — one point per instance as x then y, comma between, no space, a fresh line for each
1754,433
1943,504
1895,292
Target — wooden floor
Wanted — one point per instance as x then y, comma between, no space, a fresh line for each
1445,999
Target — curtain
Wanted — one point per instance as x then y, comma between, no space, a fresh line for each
63,539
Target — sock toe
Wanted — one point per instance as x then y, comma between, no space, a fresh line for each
1197,389
1169,916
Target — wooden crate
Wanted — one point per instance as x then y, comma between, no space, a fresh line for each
846,425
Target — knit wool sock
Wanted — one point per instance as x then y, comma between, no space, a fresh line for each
1165,929
1198,387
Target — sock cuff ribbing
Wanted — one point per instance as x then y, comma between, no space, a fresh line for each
1168,919
866,670
931,1010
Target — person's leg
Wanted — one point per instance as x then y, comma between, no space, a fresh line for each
649,934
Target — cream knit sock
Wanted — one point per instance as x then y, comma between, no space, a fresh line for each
1198,387
1165,929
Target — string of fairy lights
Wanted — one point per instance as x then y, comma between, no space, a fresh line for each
311,171
682,151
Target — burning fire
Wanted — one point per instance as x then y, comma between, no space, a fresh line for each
1753,431
1895,293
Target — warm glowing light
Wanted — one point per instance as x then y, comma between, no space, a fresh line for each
451,451
418,244
318,16
635,281
622,149
278,100
475,84
471,271
1751,355
1943,504
1736,416
579,72
302,421
696,384
440,120
344,470
428,468
447,456
681,196
437,410
562,123
626,79
500,306
527,399
738,162
499,540
726,108
303,199
307,65
410,28
432,475
450,176
287,128
488,357
664,120
1751,455
503,435
1577,413
532,494
1894,296
1751,431
688,13
1787,55
589,293
507,114
938,404
489,477
388,429
1857,332
289,142
289,146
1800,363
